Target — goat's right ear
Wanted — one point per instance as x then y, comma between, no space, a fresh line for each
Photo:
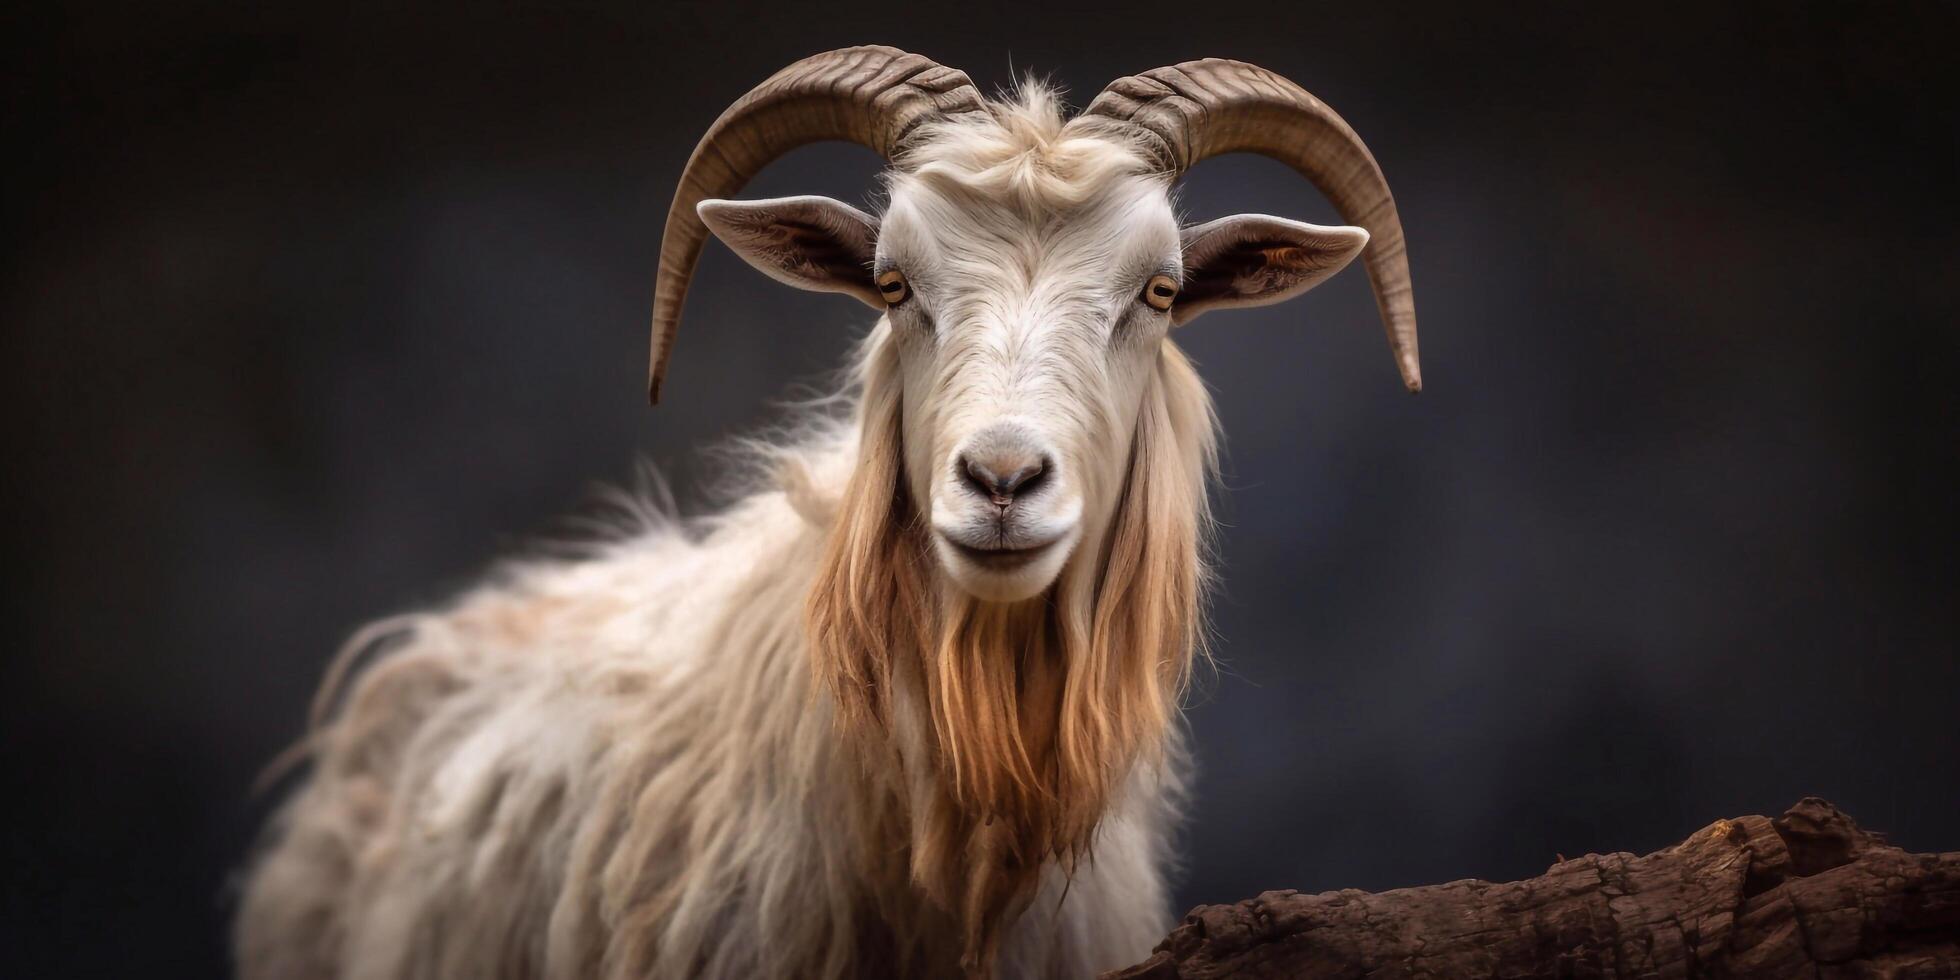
808,242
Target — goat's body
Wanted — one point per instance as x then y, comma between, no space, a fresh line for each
912,710
881,717
622,766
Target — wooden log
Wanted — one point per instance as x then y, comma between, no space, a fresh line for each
1807,894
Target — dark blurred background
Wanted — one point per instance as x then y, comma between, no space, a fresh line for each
310,314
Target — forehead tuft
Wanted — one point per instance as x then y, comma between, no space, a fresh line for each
1021,152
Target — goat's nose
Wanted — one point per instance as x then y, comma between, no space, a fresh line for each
1001,475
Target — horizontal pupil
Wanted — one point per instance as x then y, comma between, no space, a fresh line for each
1163,290
892,287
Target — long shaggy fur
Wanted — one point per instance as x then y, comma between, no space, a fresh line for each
773,742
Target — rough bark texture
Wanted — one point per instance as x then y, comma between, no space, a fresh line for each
1807,894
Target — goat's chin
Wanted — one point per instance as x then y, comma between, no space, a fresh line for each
1004,578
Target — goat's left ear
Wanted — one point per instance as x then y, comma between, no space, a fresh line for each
808,242
1257,259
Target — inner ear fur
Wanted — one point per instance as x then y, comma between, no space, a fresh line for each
808,242
1257,259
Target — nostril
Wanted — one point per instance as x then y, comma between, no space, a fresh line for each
979,475
1024,479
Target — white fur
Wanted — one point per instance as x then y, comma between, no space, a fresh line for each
503,783
623,764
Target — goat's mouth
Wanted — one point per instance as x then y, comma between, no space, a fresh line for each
1002,558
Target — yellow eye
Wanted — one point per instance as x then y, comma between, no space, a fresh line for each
891,285
1160,291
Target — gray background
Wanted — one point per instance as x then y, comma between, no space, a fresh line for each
312,313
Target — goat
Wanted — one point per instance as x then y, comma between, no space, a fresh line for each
910,707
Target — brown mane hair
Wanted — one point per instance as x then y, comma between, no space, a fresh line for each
1032,714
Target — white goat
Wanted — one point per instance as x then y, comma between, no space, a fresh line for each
909,707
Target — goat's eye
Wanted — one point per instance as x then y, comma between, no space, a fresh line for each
1160,291
891,285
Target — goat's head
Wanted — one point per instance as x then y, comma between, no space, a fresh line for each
1028,430
1030,269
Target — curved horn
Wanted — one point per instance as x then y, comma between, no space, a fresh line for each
873,96
1202,109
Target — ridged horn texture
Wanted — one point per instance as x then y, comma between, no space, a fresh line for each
1201,109
873,96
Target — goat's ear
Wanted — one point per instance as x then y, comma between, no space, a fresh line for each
1257,259
807,242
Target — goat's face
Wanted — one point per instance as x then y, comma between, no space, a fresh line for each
1028,287
1025,339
